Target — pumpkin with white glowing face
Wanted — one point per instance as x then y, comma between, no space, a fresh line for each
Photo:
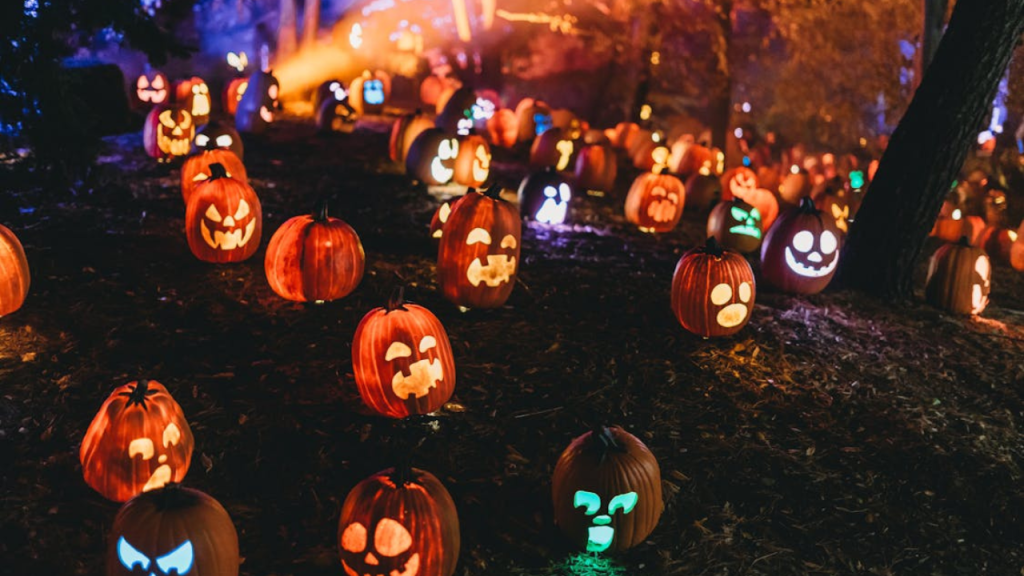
544,196
713,291
478,257
736,225
553,149
473,163
255,111
399,523
331,90
431,158
655,202
404,132
223,219
138,441
959,278
219,136
168,133
800,252
14,274
369,92
196,169
150,89
233,94
194,95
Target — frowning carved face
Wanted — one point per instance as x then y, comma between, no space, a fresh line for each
736,225
229,230
655,202
178,561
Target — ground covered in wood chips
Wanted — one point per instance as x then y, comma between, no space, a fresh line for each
834,435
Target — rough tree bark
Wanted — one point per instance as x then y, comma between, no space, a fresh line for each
287,33
310,22
721,102
929,146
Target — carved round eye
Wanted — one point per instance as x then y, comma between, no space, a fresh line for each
721,294
224,140
563,191
195,89
550,191
509,241
353,539
391,538
142,83
828,242
803,241
745,292
202,140
158,83
982,267
272,91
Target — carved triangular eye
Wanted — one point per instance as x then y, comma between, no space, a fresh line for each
166,119
243,210
213,214
391,538
180,560
172,435
158,83
142,84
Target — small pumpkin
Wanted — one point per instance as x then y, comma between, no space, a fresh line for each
330,90
1017,249
404,131
219,136
624,135
533,118
167,132
800,252
151,89
194,95
650,156
544,196
233,94
959,278
369,92
431,157
795,186
697,159
335,116
14,273
223,219
835,204
138,441
713,291
196,169
738,183
473,163
503,128
553,148
655,202
596,168
736,225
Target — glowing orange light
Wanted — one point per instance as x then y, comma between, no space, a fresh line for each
461,20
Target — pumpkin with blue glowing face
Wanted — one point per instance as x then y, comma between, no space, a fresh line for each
431,157
369,92
736,225
801,250
544,196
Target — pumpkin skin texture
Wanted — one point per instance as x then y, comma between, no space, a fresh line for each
596,168
713,291
800,252
194,95
473,163
959,278
219,136
655,202
1017,250
696,159
173,530
138,441
196,169
223,219
739,181
402,360
624,136
608,476
997,243
553,148
233,93
403,132
399,523
478,258
431,158
314,258
544,197
532,119
167,133
736,225
503,128
14,274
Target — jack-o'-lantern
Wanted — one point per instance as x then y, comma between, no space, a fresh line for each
713,291
650,156
404,132
431,157
997,243
552,148
402,360
606,491
544,196
172,531
959,278
473,163
738,183
314,258
194,95
332,90
800,252
168,133
703,192
697,159
255,111
14,273
219,136
596,168
369,92
335,116
487,104
836,206
456,115
995,207
765,202
196,169
233,94
138,441
150,89
431,89
439,219
223,219
655,202
478,257
736,225
399,522
533,118
503,128
624,135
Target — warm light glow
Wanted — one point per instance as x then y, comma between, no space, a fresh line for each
655,58
488,7
355,37
957,214
238,61
558,23
645,113
461,20
1012,234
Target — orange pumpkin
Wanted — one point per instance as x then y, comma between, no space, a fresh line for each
194,96
223,219
533,117
959,278
997,242
137,442
696,159
1017,249
14,274
431,88
369,92
167,133
233,94
473,162
503,128
738,182
196,169
655,202
403,132
713,291
624,135
596,168
553,148
765,203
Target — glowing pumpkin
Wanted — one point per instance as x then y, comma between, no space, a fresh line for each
196,169
738,183
223,219
255,110
800,252
219,136
167,133
624,136
713,291
473,163
233,94
553,148
655,202
151,88
736,225
544,196
404,132
533,118
194,95
596,168
369,92
14,274
431,157
959,278
503,128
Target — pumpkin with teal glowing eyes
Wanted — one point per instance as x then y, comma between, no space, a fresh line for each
196,169
544,196
959,278
399,522
473,163
151,89
14,274
431,158
404,132
736,225
173,531
255,110
167,133
223,219
800,252
194,95
219,136
369,92
596,168
553,148
138,441
655,202
713,291
606,491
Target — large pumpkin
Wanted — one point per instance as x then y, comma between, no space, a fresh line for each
314,258
14,274
596,168
196,169
736,225
173,530
655,202
399,523
503,128
713,291
606,491
223,219
544,196
959,278
369,92
431,157
402,360
553,148
255,111
801,250
473,163
404,131
138,441
194,95
168,132
478,257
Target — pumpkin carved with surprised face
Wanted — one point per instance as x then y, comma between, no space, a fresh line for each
431,157
655,202
223,219
959,278
544,196
713,291
399,523
801,251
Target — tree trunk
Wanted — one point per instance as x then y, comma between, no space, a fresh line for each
721,101
287,34
310,23
929,146
934,20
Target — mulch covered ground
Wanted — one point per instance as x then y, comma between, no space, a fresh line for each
834,435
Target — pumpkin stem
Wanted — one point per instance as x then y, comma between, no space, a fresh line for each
603,441
711,246
493,192
139,392
402,473
807,206
217,170
397,300
963,241
320,213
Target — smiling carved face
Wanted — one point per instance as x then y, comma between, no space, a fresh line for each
813,255
386,554
223,218
800,253
227,232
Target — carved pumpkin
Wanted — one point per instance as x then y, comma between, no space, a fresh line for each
478,257
399,523
801,250
835,205
369,92
314,258
14,274
439,219
196,169
473,163
650,156
173,530
736,225
503,128
403,132
533,118
697,159
544,196
606,491
959,278
738,183
1017,249
194,96
765,202
223,219
624,136
703,192
997,242
335,116
331,90
233,94
255,111
219,136
431,157
655,202
150,89
138,441
596,168
553,148
456,115
168,133
713,291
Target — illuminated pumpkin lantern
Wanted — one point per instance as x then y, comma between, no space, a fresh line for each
765,202
219,136
836,206
223,219
478,257
399,523
533,118
713,291
404,131
314,258
651,156
736,225
138,441
173,530
331,90
255,111
487,104
606,491
738,183
402,360
369,92
431,157
439,219
997,242
335,116
14,274
150,89
801,250
168,133
503,128
544,196
194,95
233,94
624,136
596,168
703,192
196,169
553,148
655,202
959,278
796,185
1017,249
473,163
456,115
697,159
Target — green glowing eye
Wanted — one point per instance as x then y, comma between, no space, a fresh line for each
755,214
739,213
625,502
588,500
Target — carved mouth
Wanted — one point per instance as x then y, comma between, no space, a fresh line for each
732,315
201,106
599,538
745,230
480,172
661,211
552,212
266,114
423,375
439,172
809,271
227,240
499,270
412,567
173,146
978,300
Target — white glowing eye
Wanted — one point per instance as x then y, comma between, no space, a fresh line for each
427,343
444,212
334,86
509,241
444,150
454,149
956,214
550,191
828,242
195,89
202,140
745,292
982,267
141,447
158,83
272,91
803,241
243,210
481,155
397,350
213,214
142,83
721,294
224,140
563,191
478,235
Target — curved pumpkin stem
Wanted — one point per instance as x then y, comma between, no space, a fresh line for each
603,441
963,241
217,170
807,206
712,247
320,212
397,300
139,393
493,192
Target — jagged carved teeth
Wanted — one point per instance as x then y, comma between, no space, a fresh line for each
808,271
499,269
423,375
227,240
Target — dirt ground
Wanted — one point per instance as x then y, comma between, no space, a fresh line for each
834,435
